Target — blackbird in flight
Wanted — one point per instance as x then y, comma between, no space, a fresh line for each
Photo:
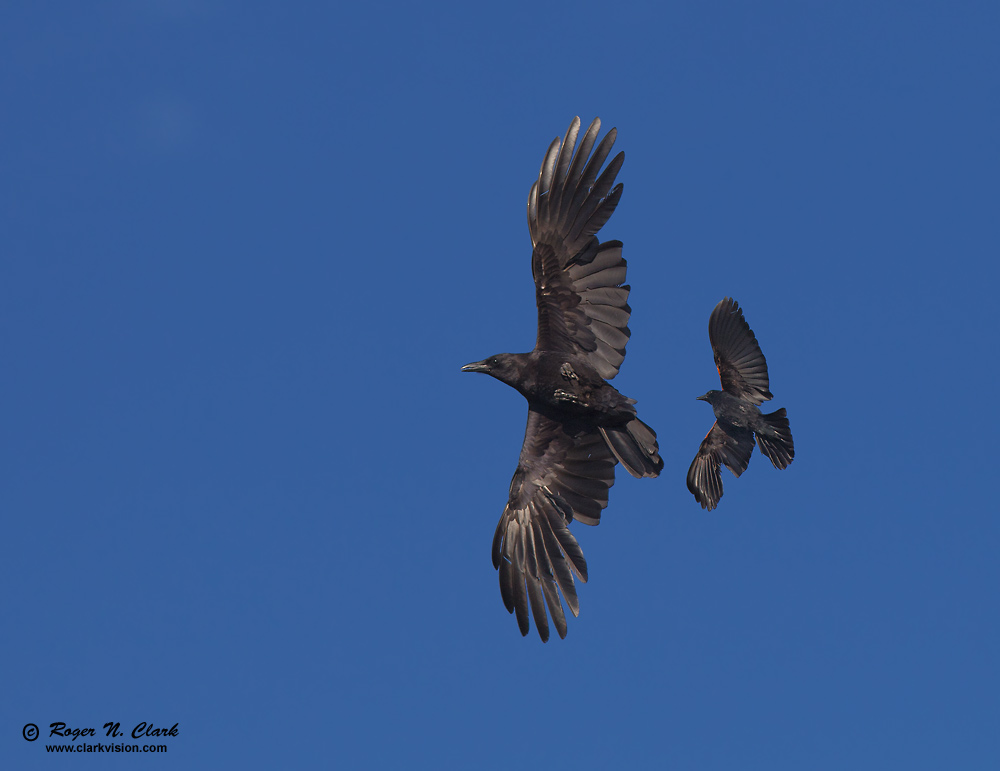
579,426
743,372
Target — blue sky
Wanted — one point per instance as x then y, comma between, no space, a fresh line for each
246,489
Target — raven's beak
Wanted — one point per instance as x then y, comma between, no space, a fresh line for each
476,366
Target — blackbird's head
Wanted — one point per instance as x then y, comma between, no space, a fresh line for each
502,366
711,397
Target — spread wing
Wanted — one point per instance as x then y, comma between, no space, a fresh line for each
564,473
741,365
579,282
733,447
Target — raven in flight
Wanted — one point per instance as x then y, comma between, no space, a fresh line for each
579,426
743,372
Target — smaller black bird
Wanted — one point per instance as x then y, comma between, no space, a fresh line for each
743,372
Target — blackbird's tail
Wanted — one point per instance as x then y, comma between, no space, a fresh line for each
634,445
775,440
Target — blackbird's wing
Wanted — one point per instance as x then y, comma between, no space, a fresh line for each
579,282
564,473
741,365
732,447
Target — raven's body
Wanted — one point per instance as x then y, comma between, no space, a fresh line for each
733,411
560,385
738,419
579,425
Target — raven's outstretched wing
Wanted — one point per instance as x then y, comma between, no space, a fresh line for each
741,365
564,473
732,447
579,282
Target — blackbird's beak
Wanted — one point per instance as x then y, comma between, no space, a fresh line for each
703,398
476,366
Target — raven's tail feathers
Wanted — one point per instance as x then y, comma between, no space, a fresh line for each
634,445
776,440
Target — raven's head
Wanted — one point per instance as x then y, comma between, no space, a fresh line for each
503,367
711,397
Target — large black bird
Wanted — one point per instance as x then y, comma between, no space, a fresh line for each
578,424
743,372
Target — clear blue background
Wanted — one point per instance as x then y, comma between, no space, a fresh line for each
245,488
